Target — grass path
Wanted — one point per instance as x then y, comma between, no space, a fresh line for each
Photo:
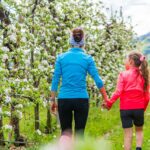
102,126
108,125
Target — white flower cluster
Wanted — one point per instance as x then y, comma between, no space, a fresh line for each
91,52
19,114
7,113
5,49
44,62
44,102
42,68
12,37
7,127
26,52
5,56
7,99
58,38
38,132
7,91
19,106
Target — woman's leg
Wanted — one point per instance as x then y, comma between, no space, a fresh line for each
81,109
65,116
128,132
139,137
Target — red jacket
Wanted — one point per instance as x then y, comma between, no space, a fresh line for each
130,90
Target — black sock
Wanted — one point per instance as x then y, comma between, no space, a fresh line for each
138,148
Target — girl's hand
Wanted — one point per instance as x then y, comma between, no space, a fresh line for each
104,105
108,104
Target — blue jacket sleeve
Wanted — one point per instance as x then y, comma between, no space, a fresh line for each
92,70
57,75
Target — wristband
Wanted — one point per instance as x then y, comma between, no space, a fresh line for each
52,99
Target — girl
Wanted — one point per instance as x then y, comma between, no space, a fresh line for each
132,89
73,99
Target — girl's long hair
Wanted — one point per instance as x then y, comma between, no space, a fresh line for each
140,61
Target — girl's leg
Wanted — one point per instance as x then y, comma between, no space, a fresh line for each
128,132
139,137
139,122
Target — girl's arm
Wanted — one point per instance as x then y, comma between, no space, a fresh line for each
118,91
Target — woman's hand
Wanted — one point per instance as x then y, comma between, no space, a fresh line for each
53,106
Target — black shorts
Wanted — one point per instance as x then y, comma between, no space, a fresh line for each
69,109
130,117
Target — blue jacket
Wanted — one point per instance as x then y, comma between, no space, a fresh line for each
72,67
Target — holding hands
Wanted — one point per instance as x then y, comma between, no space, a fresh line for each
106,104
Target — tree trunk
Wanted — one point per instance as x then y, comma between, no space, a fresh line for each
1,131
49,119
15,123
36,113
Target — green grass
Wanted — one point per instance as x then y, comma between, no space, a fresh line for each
103,128
108,126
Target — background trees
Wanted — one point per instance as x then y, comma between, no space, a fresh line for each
32,34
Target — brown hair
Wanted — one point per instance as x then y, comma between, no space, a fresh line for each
78,34
143,66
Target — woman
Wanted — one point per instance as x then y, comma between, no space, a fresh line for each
73,99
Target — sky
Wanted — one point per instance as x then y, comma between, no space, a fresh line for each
138,10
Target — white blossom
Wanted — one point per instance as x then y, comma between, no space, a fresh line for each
38,132
1,69
25,80
19,113
5,49
44,103
58,38
17,80
19,106
41,67
13,37
91,52
23,30
52,70
54,49
44,62
5,56
18,2
26,52
37,52
7,127
27,62
7,91
7,99
23,39
7,113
